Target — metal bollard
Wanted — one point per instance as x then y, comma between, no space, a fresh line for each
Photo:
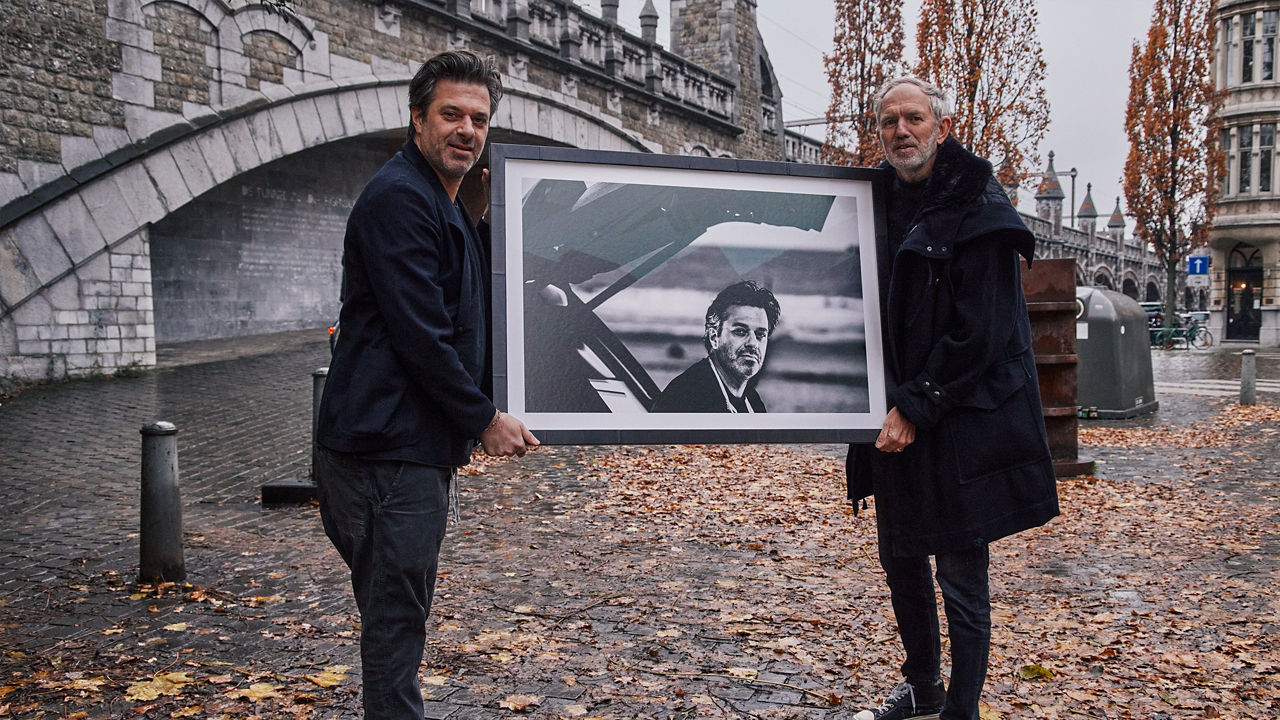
160,538
1248,377
317,391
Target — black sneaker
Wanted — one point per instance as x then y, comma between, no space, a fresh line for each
909,702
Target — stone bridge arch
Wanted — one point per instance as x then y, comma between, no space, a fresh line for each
168,103
76,269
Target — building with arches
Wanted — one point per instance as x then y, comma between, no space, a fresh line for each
175,170
1245,240
1105,257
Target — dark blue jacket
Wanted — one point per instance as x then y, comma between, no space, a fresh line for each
960,367
408,370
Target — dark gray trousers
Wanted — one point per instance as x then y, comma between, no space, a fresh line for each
387,519
962,576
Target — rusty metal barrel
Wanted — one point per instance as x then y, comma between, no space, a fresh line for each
1050,288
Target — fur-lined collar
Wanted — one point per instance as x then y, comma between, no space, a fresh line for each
958,176
962,200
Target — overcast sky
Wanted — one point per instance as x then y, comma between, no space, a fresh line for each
1086,47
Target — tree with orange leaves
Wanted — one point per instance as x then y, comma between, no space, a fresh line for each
1173,173
867,51
988,54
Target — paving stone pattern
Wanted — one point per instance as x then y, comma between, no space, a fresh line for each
70,476
69,479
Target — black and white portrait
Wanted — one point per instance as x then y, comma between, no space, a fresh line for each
670,300
736,335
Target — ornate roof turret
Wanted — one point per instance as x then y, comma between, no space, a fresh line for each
649,22
1050,188
1117,217
1087,208
609,10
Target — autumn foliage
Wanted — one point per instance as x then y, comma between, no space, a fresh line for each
1172,175
867,51
987,53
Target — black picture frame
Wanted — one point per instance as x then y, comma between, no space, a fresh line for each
605,263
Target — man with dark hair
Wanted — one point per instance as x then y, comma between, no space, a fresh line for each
736,336
407,394
962,458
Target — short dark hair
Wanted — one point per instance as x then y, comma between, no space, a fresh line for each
460,66
747,293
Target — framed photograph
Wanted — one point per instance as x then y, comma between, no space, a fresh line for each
668,299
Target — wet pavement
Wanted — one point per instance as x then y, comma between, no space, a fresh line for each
1181,375
272,596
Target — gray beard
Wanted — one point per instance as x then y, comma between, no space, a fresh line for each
927,150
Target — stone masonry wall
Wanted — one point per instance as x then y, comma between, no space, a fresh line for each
56,84
723,34
755,142
111,326
268,55
262,252
183,41
706,34
93,77
118,113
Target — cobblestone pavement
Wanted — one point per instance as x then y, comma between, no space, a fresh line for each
271,597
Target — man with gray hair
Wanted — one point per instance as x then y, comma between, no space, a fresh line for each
962,458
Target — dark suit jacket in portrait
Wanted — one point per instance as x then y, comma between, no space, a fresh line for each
698,390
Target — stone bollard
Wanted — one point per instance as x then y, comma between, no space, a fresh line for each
1248,377
317,391
160,537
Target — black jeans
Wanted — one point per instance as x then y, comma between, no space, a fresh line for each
962,575
387,520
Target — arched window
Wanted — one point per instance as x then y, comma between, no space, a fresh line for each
1130,287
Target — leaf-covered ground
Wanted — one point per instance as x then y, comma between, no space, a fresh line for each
734,581
1147,598
1234,425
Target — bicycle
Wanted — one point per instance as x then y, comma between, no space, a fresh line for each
1193,335
1200,337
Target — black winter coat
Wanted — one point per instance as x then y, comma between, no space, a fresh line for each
961,368
407,377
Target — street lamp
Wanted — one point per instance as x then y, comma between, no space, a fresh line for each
1071,174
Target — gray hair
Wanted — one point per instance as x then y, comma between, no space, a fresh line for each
939,103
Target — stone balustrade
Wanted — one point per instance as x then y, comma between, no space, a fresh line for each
1094,253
